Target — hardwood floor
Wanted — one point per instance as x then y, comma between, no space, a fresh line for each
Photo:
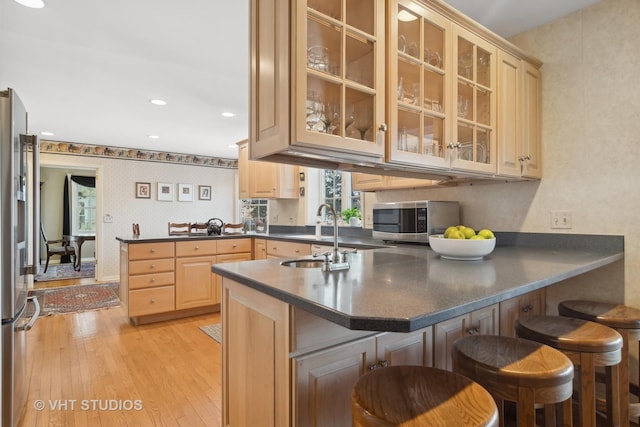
96,369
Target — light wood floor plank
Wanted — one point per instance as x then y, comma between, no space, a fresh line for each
98,358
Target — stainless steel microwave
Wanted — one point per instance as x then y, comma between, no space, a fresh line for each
413,221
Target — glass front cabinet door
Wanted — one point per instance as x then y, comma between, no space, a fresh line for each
473,144
418,86
340,75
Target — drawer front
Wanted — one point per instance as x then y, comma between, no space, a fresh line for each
151,280
234,246
196,248
138,251
151,266
151,301
288,249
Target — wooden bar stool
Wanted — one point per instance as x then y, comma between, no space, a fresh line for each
518,370
412,396
625,320
588,345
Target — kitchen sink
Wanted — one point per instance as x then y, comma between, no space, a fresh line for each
303,263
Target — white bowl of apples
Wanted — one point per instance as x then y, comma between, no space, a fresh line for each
463,243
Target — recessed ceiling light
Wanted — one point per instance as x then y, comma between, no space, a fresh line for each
158,102
153,136
233,146
33,4
228,114
46,133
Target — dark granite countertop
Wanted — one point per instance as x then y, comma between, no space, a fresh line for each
408,287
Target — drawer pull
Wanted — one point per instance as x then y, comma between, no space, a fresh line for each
234,245
153,250
197,247
527,308
152,301
152,266
297,251
153,279
380,364
473,331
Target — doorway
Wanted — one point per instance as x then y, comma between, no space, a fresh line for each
72,215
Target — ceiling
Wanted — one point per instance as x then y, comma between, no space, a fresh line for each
86,70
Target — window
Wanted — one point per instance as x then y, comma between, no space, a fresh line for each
83,209
254,211
336,191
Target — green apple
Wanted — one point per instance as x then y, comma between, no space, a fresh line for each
449,230
476,237
468,232
457,234
486,233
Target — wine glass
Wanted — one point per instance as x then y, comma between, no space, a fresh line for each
364,121
331,117
349,118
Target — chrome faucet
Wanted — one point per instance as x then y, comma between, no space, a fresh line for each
336,254
338,262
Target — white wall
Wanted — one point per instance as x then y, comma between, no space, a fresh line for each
115,185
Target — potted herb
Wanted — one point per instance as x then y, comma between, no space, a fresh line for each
352,216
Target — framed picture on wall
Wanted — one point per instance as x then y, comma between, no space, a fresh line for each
204,192
143,190
185,192
165,192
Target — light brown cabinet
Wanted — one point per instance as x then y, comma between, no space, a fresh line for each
166,280
283,249
265,180
519,118
408,85
259,248
255,358
147,278
368,182
530,304
483,321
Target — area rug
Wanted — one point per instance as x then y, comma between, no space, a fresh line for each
72,299
66,271
214,331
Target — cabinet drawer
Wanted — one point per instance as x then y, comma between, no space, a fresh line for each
151,280
196,248
233,246
288,249
151,266
151,301
139,251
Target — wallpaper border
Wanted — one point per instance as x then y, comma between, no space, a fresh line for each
88,150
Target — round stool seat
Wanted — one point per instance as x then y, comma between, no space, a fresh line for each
516,370
616,316
625,320
569,334
420,396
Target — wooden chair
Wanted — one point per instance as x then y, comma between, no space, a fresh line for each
198,228
232,228
60,247
178,228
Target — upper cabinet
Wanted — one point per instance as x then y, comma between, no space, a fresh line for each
410,85
265,180
317,81
519,91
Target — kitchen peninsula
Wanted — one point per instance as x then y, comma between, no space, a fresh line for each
296,339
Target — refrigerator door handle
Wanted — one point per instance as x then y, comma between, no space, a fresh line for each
33,319
34,142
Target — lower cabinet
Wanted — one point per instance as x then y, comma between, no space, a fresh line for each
484,321
283,249
196,285
512,309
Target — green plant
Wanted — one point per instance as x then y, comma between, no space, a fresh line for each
351,213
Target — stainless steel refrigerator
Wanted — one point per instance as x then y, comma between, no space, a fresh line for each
19,225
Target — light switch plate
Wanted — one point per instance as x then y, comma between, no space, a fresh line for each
560,219
107,218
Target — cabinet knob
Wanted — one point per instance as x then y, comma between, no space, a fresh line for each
153,250
297,251
234,245
473,331
527,308
153,280
383,127
197,247
152,301
152,266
